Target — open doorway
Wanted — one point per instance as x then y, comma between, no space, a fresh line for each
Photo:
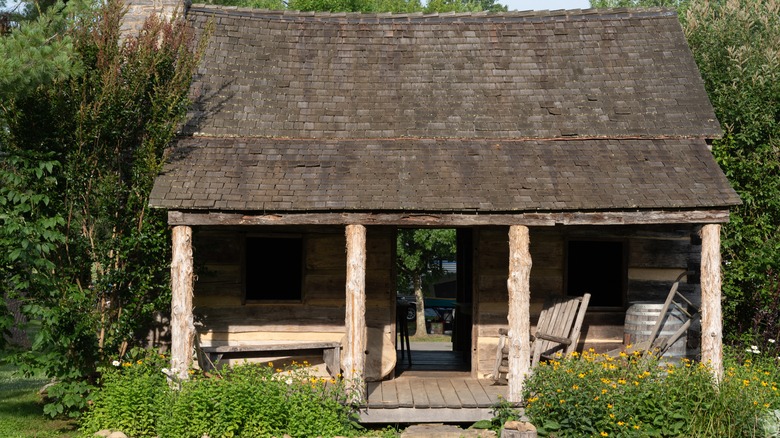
434,300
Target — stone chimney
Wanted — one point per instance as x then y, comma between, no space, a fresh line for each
138,10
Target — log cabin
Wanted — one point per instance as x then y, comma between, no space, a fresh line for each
570,150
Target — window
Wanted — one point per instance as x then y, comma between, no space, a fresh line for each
598,268
273,268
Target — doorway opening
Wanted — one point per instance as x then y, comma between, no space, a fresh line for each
434,300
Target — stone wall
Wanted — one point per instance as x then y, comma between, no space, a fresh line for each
138,10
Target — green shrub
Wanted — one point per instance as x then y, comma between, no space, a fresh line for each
249,400
629,396
257,400
133,396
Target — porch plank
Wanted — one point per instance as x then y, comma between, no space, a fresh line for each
465,396
451,399
494,392
419,395
374,393
389,394
480,396
435,398
404,393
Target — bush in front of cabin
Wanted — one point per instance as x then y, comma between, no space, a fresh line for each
248,400
132,396
258,400
630,395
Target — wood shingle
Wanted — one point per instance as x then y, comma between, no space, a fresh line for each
552,111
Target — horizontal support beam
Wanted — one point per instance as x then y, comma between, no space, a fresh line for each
653,217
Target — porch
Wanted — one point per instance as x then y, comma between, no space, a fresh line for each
452,397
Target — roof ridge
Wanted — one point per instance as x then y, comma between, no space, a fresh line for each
512,16
469,139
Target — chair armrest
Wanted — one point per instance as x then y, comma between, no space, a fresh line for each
558,339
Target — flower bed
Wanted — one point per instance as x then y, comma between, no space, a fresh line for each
630,396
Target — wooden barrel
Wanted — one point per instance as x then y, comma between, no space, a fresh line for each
640,321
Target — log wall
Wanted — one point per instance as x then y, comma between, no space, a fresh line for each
654,257
223,318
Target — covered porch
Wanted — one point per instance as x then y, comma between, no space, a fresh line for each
468,394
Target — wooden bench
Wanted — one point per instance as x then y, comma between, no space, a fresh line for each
331,352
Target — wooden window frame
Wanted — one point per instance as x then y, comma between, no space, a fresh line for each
245,268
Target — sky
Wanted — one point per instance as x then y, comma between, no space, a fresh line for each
525,5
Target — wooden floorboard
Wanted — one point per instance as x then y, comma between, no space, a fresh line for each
478,392
404,392
435,399
431,399
465,397
451,399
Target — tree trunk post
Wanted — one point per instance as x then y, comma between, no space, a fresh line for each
519,288
182,322
711,313
355,322
421,328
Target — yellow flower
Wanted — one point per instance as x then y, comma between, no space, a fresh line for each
562,401
140,362
622,381
746,382
766,405
603,391
581,375
609,405
623,354
636,426
604,434
271,364
620,423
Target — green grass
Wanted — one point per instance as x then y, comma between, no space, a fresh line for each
21,410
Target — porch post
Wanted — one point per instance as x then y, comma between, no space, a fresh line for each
711,315
355,322
519,288
182,326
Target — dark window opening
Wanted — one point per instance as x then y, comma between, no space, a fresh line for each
597,268
274,269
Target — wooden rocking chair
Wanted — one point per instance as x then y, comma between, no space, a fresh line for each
558,330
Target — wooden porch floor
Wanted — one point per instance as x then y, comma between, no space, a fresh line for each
431,399
435,388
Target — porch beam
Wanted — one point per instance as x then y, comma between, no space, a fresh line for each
519,288
453,219
711,313
355,349
182,322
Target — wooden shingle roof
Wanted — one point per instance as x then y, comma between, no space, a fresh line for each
551,111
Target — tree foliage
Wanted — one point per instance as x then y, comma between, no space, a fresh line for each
78,243
419,253
736,44
370,6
